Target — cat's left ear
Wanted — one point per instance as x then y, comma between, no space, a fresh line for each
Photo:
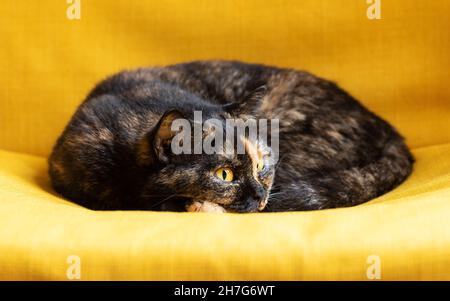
248,105
155,147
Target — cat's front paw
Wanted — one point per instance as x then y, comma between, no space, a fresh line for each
205,207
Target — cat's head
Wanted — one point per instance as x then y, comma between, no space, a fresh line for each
235,174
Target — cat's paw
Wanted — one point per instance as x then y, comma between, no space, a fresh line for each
205,207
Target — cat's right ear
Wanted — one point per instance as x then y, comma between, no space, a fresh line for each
248,105
155,146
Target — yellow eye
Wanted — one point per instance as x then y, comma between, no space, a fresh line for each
225,174
260,165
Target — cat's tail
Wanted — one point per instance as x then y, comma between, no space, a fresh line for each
360,184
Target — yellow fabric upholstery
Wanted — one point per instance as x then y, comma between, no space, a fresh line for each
407,228
397,66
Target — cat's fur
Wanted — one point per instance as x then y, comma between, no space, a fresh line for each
333,151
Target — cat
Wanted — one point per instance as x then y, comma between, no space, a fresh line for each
115,153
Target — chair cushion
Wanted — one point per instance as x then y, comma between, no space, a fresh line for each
407,229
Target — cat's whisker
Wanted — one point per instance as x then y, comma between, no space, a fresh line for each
164,200
275,194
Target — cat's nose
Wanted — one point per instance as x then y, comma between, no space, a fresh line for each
259,193
260,198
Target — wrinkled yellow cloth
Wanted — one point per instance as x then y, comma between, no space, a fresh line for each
408,230
397,66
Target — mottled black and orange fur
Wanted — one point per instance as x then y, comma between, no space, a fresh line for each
333,151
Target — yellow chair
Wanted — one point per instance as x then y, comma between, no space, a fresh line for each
398,66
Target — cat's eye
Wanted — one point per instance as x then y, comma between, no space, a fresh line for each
260,166
225,174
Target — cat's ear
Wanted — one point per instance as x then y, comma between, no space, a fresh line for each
155,147
163,135
248,105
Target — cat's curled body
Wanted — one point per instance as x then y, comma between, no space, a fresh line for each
333,151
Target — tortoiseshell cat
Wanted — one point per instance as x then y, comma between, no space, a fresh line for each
114,154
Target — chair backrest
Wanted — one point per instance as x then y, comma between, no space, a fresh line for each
398,66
